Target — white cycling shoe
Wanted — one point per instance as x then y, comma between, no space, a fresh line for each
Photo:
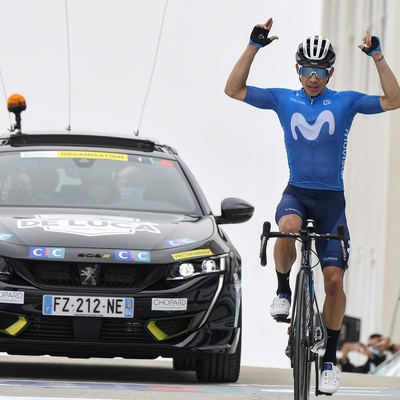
280,307
329,380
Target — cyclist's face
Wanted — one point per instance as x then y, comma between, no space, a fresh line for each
313,85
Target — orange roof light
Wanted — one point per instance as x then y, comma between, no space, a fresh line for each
16,103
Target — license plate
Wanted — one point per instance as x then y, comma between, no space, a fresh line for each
115,307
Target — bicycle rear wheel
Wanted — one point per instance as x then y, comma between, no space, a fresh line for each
302,337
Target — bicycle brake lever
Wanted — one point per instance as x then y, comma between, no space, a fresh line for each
343,244
264,238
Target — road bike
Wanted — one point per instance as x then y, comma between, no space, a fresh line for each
307,331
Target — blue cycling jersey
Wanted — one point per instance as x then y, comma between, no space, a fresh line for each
316,130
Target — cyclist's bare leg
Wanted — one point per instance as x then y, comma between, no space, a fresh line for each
334,308
285,249
335,298
284,256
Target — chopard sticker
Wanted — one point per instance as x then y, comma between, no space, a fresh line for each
7,296
168,304
192,254
88,225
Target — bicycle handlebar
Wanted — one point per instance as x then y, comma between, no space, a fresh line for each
306,236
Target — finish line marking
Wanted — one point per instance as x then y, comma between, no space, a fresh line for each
211,389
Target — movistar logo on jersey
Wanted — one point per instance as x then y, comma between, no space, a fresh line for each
311,132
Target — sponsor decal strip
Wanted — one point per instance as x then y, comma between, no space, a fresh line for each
46,252
7,296
192,254
75,154
180,242
92,154
168,304
86,225
132,255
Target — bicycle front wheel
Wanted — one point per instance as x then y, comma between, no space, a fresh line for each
302,337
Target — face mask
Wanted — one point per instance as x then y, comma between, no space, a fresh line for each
374,351
131,193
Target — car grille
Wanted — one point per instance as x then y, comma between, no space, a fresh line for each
107,330
62,328
68,275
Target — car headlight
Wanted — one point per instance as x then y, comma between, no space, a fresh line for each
191,268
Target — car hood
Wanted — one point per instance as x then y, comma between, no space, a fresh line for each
102,230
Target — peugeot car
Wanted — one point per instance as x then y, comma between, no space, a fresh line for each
108,248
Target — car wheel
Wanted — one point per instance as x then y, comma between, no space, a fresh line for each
219,367
184,364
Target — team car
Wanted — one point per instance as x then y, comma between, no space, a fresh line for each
108,248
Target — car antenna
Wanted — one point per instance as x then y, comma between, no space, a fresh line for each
16,104
68,128
5,92
152,71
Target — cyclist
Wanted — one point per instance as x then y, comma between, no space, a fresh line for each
316,122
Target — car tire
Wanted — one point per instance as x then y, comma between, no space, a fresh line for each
184,364
220,367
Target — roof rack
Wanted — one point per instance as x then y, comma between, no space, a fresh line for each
21,139
166,149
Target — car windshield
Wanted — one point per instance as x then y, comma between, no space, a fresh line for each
95,179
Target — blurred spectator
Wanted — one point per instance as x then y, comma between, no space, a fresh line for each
391,346
374,351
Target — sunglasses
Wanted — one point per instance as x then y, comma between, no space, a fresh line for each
319,72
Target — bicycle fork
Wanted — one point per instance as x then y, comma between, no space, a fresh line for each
320,336
317,331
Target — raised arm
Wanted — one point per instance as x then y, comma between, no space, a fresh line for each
390,86
236,85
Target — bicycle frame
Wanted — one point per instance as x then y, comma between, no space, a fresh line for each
307,332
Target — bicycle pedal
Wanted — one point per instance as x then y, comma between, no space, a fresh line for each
282,318
324,394
312,356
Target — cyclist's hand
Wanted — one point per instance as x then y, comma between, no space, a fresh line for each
371,44
259,35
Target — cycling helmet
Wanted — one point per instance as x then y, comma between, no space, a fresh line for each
316,50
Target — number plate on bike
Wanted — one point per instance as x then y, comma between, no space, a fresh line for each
115,307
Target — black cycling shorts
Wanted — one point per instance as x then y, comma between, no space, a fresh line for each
327,209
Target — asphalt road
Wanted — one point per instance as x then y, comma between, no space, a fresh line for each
59,378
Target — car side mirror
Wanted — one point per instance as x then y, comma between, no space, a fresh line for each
234,211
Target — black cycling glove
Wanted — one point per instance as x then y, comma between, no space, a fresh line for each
375,46
259,37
